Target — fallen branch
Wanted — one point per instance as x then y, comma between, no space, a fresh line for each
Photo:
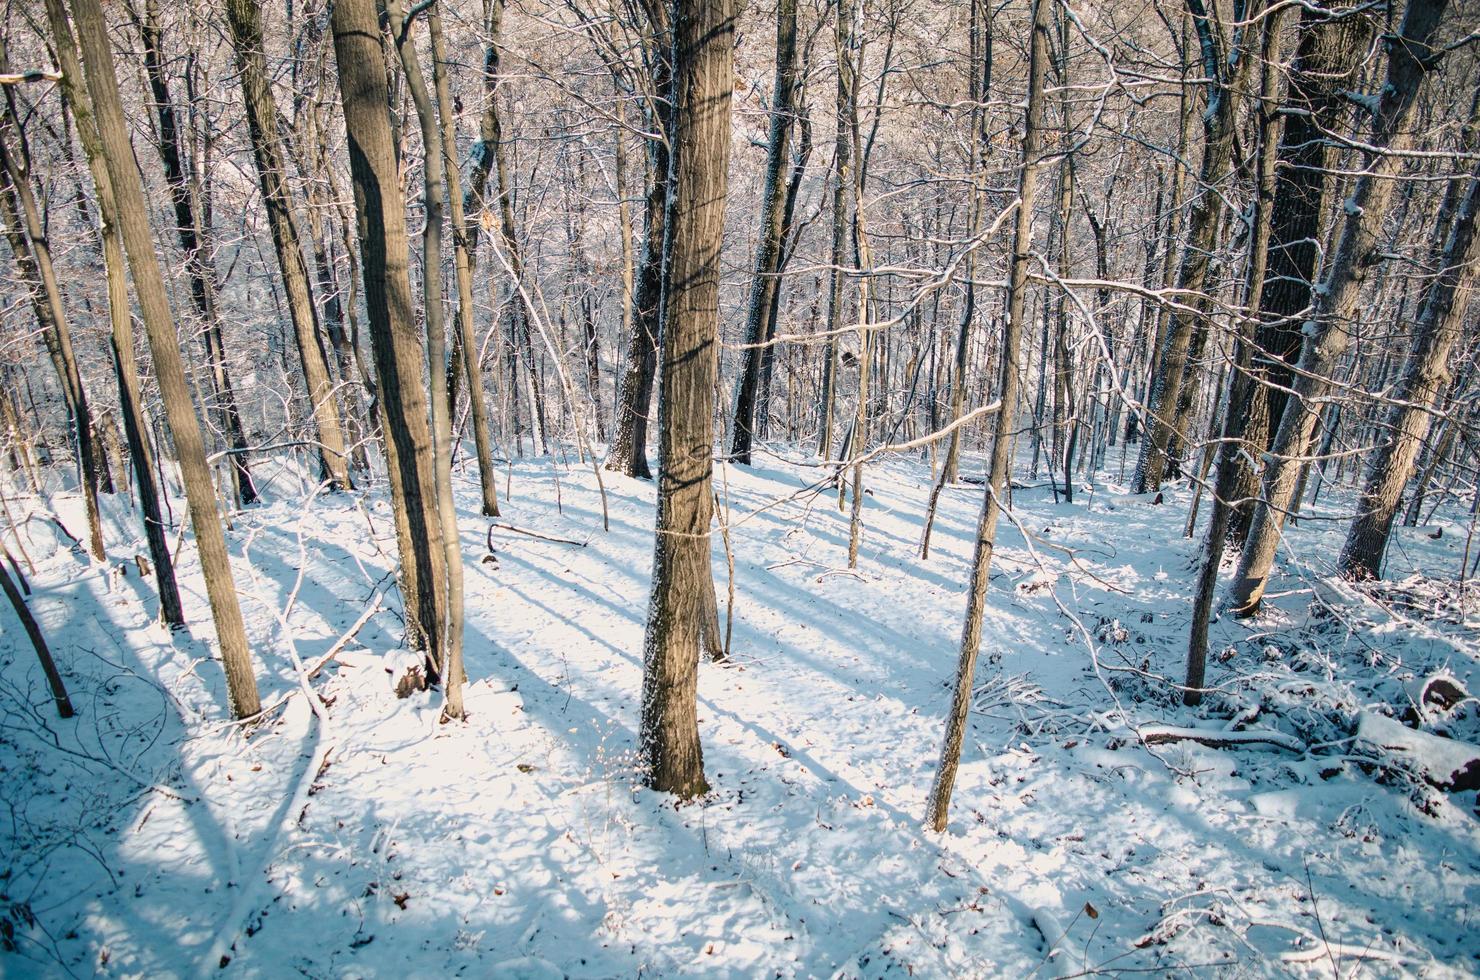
1219,739
532,534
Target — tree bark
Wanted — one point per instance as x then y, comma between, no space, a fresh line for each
464,241
399,364
31,246
149,288
191,229
1325,62
1241,381
683,585
245,18
765,284
125,366
628,452
1410,57
1440,323
938,807
1225,84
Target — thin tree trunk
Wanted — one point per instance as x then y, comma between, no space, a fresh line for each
765,285
938,808
245,19
447,654
193,232
842,153
32,249
1225,83
149,288
38,640
628,452
464,239
1241,382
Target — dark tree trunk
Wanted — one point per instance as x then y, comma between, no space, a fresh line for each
192,226
399,362
628,452
246,31
765,285
1410,57
1325,62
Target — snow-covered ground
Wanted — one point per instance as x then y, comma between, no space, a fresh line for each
148,836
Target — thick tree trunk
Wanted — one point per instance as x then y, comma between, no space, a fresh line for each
1325,62
149,288
245,18
446,656
399,364
765,284
683,585
1410,58
938,807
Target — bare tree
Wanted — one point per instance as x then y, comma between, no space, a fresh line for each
399,363
683,584
1410,58
125,367
149,288
1440,322
245,17
937,811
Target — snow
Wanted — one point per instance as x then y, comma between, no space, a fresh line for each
352,834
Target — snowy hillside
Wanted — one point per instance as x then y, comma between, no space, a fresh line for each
351,834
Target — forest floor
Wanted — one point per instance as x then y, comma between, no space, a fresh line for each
148,836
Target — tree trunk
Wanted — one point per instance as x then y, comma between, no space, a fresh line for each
1220,119
765,285
842,152
1440,323
1241,382
446,655
149,288
192,229
938,808
1410,58
1325,62
38,640
628,452
28,240
125,367
464,240
399,364
245,19
703,68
